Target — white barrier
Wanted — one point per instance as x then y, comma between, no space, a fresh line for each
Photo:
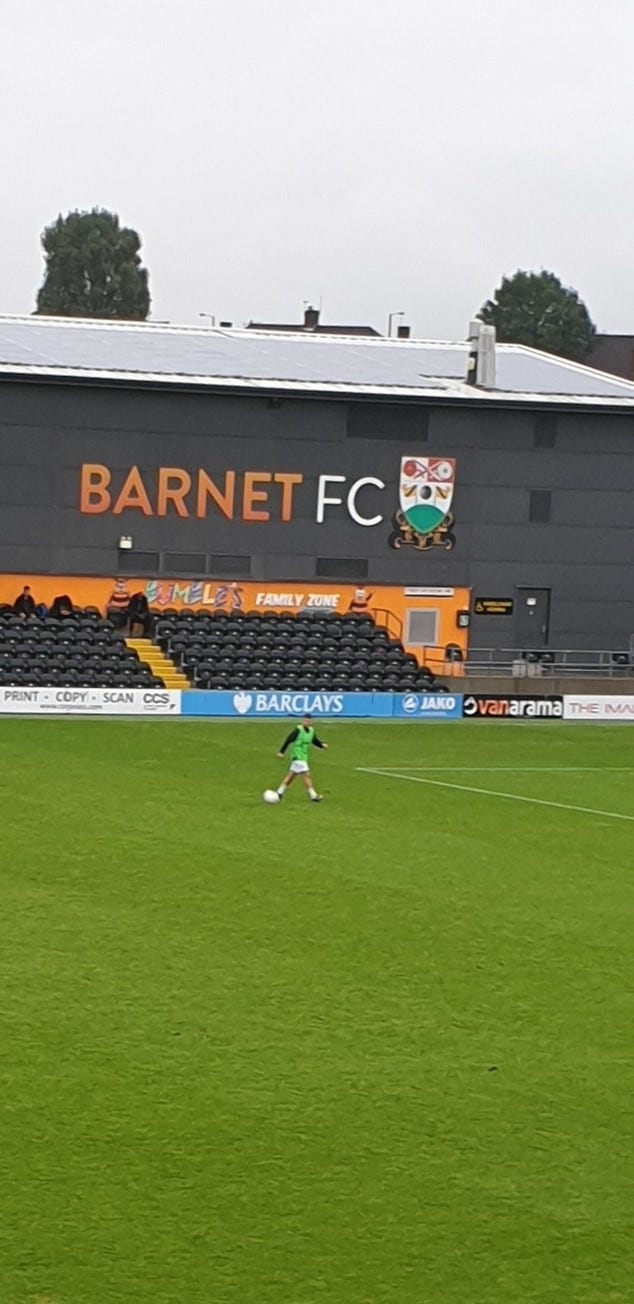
590,706
89,701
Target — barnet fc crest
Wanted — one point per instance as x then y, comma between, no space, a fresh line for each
425,492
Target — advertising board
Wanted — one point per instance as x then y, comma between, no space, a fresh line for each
265,703
595,706
428,706
89,701
272,704
494,706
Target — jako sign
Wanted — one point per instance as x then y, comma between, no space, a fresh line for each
429,706
260,496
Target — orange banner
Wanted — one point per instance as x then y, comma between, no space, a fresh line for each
398,609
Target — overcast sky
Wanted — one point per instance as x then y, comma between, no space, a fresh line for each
379,155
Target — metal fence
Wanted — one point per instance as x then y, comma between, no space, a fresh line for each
537,664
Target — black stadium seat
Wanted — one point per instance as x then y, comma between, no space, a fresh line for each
79,650
215,649
233,649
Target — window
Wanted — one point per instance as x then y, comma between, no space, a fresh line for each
184,563
138,563
387,421
229,563
342,568
545,429
539,505
421,628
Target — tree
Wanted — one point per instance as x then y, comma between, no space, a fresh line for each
93,269
535,308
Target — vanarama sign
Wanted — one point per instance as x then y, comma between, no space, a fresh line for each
478,707
425,487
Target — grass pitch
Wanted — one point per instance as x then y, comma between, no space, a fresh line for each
376,1051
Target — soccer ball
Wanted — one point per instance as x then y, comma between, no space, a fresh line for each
270,797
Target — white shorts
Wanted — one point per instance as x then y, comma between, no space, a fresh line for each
299,767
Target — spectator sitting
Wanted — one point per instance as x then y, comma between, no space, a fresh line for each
118,603
61,607
24,605
139,614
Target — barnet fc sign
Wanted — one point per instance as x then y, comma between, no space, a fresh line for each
425,494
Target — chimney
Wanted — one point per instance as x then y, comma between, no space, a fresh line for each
481,360
403,332
311,319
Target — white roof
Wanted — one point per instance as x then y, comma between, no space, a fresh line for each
214,358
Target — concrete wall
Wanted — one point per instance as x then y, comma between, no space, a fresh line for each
584,554
600,685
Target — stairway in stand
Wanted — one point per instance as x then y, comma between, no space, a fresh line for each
161,665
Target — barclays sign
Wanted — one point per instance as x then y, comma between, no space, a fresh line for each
262,705
273,703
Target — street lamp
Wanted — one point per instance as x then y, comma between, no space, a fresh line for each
209,316
390,319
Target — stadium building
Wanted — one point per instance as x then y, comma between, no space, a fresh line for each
472,491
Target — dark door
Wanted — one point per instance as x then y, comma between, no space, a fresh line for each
531,618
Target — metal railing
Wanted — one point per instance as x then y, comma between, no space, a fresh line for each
387,620
545,662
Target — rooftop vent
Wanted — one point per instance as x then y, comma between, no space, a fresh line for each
481,362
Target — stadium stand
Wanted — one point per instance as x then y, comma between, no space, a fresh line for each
201,650
238,650
82,649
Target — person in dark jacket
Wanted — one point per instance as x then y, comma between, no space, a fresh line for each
61,607
24,605
139,615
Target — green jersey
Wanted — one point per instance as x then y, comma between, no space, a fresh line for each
300,741
302,744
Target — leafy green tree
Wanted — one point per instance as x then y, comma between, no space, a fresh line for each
93,269
535,308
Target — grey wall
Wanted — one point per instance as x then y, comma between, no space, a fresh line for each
584,554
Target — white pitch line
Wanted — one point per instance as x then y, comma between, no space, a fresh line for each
513,769
489,792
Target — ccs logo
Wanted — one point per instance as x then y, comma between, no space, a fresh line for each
156,699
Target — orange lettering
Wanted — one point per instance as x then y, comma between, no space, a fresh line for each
288,482
252,495
133,494
223,501
172,493
93,493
